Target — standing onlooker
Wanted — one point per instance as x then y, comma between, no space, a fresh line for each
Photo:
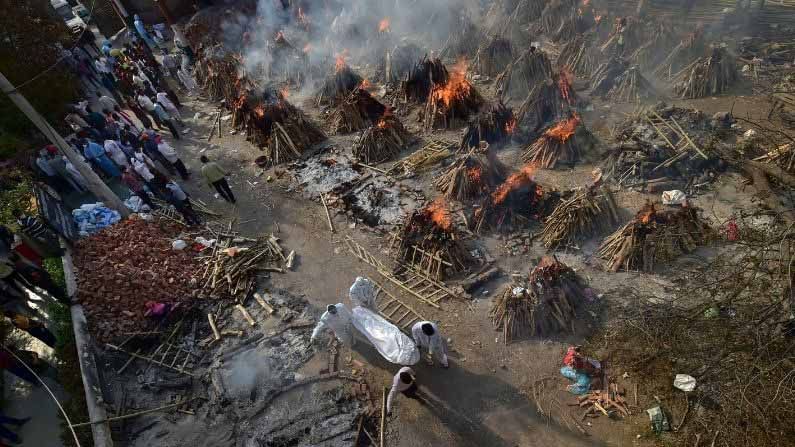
75,175
58,165
116,153
141,28
162,98
171,156
149,107
95,153
166,118
96,119
139,113
180,200
216,177
107,103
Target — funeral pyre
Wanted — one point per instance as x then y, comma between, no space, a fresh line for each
428,242
564,142
580,214
382,141
580,55
545,304
708,76
339,84
656,234
357,111
514,203
470,176
494,124
421,80
549,101
275,125
522,74
493,56
450,104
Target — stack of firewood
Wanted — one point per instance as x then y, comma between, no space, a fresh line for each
585,212
565,142
338,85
547,304
603,402
450,104
470,176
654,235
606,74
463,40
683,54
421,79
218,74
493,124
580,55
382,141
358,111
527,70
708,76
547,101
631,86
493,56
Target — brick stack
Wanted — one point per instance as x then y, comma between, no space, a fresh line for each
124,266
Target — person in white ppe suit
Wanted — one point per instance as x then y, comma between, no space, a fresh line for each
426,335
336,318
362,293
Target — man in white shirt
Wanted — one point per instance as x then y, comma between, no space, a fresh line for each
426,335
403,382
337,319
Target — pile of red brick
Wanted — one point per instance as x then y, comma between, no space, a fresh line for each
125,265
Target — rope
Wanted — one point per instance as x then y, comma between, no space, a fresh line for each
55,399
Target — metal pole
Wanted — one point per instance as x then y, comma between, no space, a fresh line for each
95,184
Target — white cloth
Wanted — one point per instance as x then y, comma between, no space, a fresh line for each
113,149
107,103
142,170
389,341
167,151
434,343
339,324
398,386
146,103
362,293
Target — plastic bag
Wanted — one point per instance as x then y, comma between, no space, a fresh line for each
391,343
582,383
685,382
674,197
178,244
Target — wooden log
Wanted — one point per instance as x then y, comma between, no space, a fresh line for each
383,416
211,319
246,315
328,214
261,301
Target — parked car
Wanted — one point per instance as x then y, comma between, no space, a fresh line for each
64,11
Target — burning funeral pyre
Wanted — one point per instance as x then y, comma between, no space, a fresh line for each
339,84
580,55
217,75
470,176
382,141
423,76
358,111
429,242
654,235
547,102
546,304
528,70
708,76
493,56
450,104
565,142
515,202
580,215
494,124
274,124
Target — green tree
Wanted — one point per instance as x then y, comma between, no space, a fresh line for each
29,32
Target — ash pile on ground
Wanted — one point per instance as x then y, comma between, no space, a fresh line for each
324,174
381,201
249,384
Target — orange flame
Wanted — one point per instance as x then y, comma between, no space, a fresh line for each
457,87
340,63
517,179
260,111
564,129
383,25
510,126
364,85
646,213
565,80
439,214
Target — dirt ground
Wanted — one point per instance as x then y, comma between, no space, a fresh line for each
484,398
